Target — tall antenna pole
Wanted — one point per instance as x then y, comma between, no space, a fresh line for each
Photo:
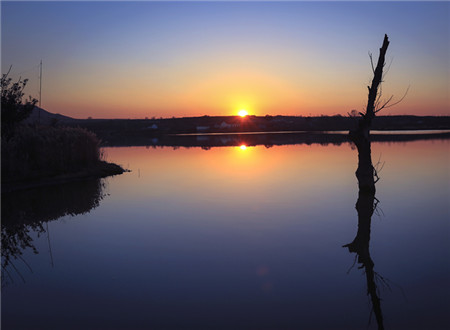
40,92
40,84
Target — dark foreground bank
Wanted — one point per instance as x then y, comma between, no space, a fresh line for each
100,170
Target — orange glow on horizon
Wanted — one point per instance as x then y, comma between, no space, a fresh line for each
243,147
227,92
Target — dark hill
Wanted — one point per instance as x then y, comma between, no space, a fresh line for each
39,115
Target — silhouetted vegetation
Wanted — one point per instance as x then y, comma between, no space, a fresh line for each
32,152
38,151
366,173
14,109
52,156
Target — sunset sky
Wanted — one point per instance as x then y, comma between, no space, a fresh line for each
163,59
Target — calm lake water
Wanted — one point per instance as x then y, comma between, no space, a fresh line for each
232,238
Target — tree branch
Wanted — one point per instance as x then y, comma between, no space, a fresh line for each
371,62
387,105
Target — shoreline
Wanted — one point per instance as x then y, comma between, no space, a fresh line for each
101,170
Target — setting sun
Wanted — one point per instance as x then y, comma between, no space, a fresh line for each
243,113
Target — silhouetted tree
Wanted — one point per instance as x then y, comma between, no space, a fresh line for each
353,113
14,109
361,135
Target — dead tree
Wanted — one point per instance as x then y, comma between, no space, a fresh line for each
361,135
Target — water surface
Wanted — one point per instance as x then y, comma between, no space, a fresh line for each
233,238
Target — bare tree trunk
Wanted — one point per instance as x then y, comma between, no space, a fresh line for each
361,135
376,81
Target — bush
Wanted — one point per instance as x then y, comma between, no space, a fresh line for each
14,110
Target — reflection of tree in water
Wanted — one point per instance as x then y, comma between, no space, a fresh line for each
28,212
366,206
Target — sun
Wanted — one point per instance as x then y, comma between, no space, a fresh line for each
243,113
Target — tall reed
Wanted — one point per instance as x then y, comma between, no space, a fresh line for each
43,151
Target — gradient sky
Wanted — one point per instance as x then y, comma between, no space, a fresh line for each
164,59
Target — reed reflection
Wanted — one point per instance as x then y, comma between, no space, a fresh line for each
26,214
